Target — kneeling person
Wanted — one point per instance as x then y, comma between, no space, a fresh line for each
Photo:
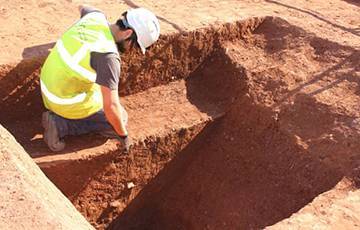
79,79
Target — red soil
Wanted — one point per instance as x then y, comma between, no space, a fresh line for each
283,142
285,100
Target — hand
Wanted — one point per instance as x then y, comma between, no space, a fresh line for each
125,142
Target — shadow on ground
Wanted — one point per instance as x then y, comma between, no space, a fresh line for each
244,171
256,165
317,15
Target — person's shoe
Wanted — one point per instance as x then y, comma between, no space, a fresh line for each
51,135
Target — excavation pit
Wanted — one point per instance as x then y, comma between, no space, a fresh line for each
223,136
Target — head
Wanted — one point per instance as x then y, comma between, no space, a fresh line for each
136,28
125,36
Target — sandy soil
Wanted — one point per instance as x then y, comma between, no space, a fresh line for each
35,25
290,133
289,137
28,199
335,209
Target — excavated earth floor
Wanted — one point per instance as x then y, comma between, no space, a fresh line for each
243,125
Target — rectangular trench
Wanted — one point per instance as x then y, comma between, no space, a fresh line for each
165,114
201,130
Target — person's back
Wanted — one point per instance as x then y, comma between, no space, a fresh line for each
67,78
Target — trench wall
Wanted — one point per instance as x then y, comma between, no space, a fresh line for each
29,200
173,57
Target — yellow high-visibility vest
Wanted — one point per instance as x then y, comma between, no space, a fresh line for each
67,80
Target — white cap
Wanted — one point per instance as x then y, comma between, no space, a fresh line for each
145,25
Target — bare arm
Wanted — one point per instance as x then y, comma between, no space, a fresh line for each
112,110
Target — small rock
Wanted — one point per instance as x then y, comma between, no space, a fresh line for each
115,204
130,185
356,124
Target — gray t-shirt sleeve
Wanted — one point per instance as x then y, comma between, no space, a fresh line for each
88,9
107,67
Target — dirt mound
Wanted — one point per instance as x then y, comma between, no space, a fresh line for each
287,137
28,199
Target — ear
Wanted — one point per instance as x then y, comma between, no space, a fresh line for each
128,33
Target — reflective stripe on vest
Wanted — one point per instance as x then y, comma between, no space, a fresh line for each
61,101
73,61
67,78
